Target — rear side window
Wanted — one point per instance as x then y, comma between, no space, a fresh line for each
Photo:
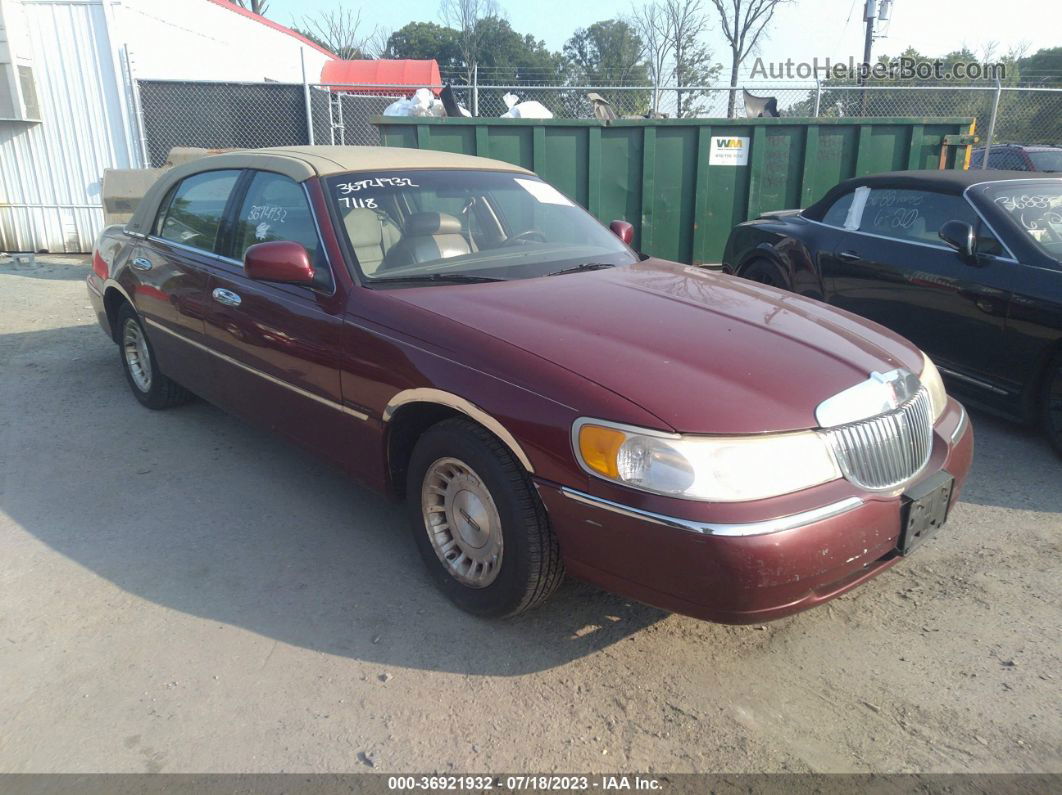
275,208
838,211
192,215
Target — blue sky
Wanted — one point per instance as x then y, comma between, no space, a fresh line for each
808,28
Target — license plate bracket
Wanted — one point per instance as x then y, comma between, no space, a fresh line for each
924,508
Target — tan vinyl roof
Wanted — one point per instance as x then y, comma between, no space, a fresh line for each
325,160
302,162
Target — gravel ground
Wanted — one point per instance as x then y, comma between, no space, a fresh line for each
181,592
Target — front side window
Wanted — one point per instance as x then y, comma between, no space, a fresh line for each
1035,208
192,216
487,224
274,208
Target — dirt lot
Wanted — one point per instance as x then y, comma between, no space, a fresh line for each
182,592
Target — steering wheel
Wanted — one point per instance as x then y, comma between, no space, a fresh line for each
525,236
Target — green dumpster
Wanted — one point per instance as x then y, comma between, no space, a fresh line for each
685,183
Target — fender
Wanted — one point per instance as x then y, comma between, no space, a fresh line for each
450,400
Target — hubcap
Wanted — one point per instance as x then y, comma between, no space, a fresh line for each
137,358
462,522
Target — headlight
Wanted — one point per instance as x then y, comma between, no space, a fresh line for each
930,378
706,468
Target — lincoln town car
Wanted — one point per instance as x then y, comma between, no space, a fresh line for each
458,334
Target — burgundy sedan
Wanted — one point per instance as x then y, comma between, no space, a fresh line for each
457,333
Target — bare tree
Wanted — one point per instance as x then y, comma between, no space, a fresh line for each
743,21
686,24
257,6
651,23
338,30
375,45
465,17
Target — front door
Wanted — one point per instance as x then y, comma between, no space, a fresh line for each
276,341
895,270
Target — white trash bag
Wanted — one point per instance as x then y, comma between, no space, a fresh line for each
531,109
422,103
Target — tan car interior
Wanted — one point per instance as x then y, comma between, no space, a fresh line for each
379,245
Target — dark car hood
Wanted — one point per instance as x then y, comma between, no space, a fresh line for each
704,352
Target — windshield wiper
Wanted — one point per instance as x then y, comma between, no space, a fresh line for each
586,266
452,278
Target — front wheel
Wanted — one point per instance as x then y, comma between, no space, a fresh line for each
150,386
766,272
1051,404
478,523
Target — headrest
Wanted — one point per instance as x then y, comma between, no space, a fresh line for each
364,228
428,224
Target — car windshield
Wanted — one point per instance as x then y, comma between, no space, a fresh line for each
1050,160
458,226
1036,207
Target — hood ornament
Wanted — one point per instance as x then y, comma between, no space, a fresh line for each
880,393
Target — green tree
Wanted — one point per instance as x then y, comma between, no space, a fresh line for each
1042,68
610,53
425,41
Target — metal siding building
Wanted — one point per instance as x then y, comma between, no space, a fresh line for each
51,171
84,54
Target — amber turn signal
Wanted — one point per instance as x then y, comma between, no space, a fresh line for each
599,446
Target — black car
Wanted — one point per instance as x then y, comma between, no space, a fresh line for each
1017,157
966,264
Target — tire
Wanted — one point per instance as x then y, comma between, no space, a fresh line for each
1051,404
477,522
766,272
149,385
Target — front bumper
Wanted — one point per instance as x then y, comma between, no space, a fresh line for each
748,571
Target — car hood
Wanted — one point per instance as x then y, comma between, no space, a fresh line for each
703,352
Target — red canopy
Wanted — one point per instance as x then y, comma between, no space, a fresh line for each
414,74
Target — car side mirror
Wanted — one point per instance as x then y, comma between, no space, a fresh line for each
960,237
623,230
282,261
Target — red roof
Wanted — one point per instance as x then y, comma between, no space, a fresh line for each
271,24
415,74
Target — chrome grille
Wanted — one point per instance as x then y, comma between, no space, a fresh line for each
884,451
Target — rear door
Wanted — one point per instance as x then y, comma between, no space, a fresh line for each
278,342
894,269
172,267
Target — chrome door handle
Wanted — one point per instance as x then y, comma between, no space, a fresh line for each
227,297
141,264
849,256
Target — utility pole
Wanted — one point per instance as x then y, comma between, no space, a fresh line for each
872,10
870,13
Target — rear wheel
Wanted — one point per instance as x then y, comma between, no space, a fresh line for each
478,523
1051,404
150,386
766,272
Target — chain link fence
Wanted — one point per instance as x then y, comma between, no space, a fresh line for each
249,115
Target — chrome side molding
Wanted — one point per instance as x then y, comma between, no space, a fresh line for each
272,379
765,527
